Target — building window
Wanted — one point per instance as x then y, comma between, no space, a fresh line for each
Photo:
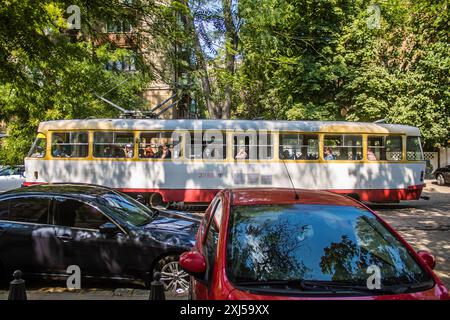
118,26
126,64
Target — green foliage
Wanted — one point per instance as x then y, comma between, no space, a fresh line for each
319,60
48,74
280,59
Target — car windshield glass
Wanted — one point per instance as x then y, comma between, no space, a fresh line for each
7,171
125,208
337,244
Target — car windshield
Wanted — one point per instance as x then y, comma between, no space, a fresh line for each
332,244
125,208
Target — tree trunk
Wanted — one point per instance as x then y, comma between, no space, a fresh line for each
230,55
202,67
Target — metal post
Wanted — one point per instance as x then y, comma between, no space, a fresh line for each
157,288
17,289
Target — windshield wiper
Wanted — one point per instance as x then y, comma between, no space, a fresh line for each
311,285
333,286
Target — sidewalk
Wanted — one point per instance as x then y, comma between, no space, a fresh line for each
91,294
425,224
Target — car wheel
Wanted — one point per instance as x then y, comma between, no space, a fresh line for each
176,281
440,180
156,201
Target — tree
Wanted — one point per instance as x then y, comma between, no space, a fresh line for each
49,72
329,60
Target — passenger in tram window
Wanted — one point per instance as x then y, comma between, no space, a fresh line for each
297,155
328,154
313,156
39,152
59,151
107,152
148,152
242,154
166,153
371,155
286,155
129,151
117,152
210,152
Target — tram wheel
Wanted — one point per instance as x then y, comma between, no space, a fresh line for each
156,201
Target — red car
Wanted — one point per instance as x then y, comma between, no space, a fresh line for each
285,244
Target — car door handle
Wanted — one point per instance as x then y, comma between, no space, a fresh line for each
65,238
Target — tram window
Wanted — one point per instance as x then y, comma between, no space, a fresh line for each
342,147
384,148
113,144
210,145
394,148
253,146
39,147
70,144
413,149
158,145
295,146
214,145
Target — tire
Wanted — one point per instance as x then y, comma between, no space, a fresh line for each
440,179
176,281
156,201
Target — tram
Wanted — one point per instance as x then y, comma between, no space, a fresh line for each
189,161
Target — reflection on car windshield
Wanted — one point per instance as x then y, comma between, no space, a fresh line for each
125,208
315,242
9,171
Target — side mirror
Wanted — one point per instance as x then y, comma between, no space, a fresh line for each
194,263
428,258
108,228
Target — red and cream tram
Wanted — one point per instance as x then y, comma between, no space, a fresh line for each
191,160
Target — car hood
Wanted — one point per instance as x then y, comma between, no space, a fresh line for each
171,229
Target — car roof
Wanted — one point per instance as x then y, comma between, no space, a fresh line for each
242,197
77,191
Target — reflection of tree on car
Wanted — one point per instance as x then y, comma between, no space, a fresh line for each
285,244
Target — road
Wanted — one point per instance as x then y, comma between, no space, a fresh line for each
424,224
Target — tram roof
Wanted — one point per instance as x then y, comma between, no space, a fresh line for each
232,125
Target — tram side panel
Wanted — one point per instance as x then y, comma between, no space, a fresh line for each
199,181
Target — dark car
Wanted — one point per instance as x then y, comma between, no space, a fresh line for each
442,175
47,228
